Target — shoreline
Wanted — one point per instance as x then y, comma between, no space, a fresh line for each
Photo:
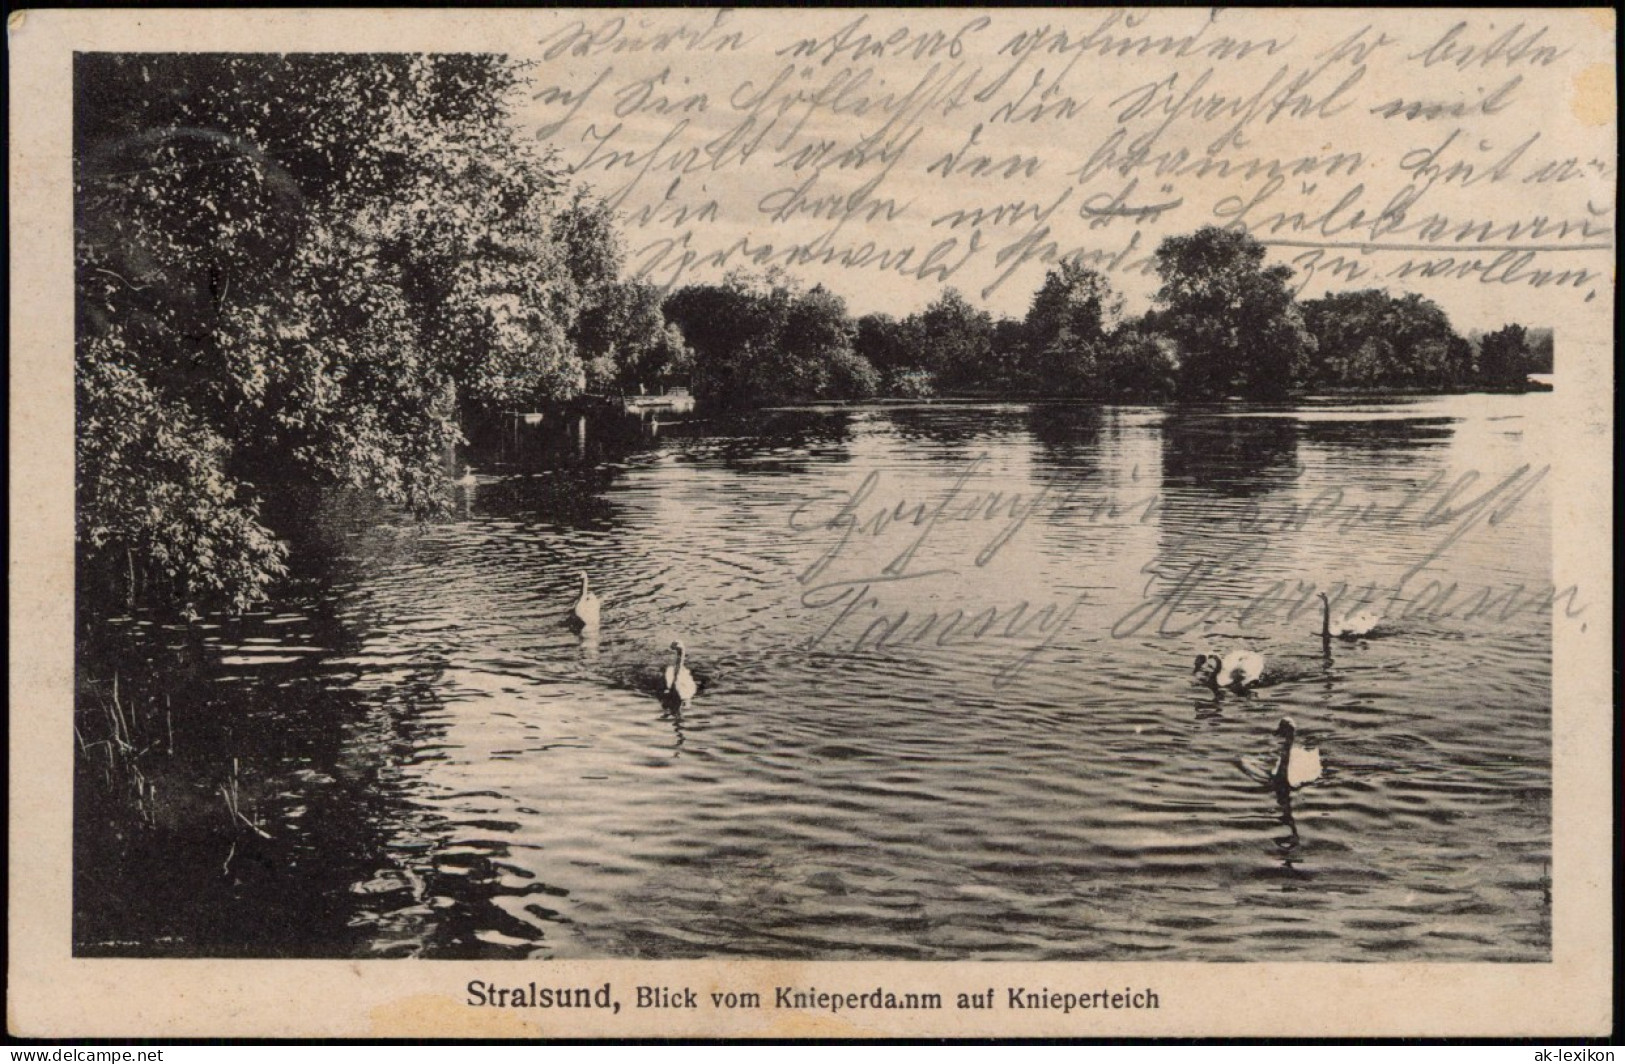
970,399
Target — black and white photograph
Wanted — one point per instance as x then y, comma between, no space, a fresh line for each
1063,501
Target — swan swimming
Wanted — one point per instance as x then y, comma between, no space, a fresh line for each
468,479
1235,668
679,682
585,611
1351,627
1297,765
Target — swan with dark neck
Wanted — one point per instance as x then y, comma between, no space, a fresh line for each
1351,627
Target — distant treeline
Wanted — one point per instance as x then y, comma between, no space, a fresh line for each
1223,323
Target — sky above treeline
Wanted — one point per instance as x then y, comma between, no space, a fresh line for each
1467,156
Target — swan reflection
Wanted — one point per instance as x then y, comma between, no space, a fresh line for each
672,714
1287,844
1297,765
590,643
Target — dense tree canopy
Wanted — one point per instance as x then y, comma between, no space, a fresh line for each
956,339
1369,339
763,339
620,332
887,343
1504,357
1224,324
308,270
1234,319
1137,364
295,270
1067,326
949,344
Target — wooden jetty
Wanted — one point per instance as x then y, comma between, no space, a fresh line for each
673,401
524,429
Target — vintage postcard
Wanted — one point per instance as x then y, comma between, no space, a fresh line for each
1076,523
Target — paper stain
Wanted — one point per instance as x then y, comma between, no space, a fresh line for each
434,1015
1594,103
806,1025
438,1016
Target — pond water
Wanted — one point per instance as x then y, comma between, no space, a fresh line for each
948,707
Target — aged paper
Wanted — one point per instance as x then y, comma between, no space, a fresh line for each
1466,156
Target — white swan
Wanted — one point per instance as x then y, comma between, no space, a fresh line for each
1234,668
1351,627
1297,765
585,611
679,681
468,479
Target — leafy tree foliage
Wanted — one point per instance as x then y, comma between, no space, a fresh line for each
620,331
299,270
948,344
727,325
155,512
762,340
1136,364
1009,355
294,269
1074,340
909,383
851,376
628,345
886,342
1067,325
955,340
896,350
816,336
1504,357
1234,319
1369,339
